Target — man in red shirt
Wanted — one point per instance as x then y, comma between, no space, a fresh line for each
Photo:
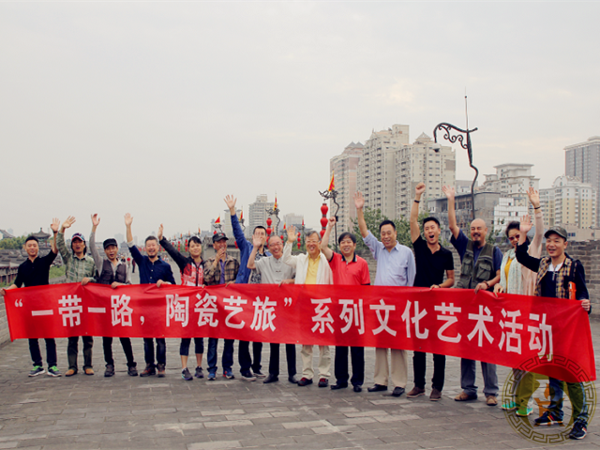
347,268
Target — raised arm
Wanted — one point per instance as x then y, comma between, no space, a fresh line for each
288,258
450,193
536,244
359,202
128,222
415,231
179,259
60,241
55,226
257,242
98,260
325,241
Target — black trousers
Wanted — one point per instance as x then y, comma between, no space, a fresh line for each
36,355
161,351
358,365
439,369
244,356
184,347
290,354
108,355
72,350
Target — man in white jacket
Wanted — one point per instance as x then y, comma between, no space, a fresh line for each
311,268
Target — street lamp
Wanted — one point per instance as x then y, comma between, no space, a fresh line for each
447,127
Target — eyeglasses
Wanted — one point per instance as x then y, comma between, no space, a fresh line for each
512,238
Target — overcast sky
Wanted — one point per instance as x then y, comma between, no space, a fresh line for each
162,109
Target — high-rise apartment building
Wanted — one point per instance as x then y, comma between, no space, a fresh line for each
257,214
345,170
583,161
423,161
512,180
569,202
377,168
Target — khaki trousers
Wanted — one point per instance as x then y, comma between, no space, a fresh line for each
399,367
307,361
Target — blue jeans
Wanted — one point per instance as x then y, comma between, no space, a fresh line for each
211,356
578,400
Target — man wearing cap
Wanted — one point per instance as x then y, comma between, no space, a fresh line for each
152,270
556,274
79,267
114,273
220,269
35,271
480,269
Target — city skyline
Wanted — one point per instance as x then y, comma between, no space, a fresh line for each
161,110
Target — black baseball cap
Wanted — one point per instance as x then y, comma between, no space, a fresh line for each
556,230
107,243
219,237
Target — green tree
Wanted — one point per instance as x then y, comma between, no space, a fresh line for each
13,243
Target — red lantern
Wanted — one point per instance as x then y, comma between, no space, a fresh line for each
324,209
324,222
235,242
269,221
269,230
322,233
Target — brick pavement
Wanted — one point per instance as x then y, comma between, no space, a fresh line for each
93,412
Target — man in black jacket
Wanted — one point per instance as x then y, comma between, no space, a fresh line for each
113,272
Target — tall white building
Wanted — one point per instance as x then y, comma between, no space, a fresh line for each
226,223
257,214
377,168
345,170
583,161
507,210
573,203
423,161
512,180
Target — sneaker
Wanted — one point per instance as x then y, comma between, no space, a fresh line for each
37,370
305,381
110,370
548,419
148,371
435,395
247,376
415,392
258,374
524,412
199,373
578,431
228,373
160,370
323,382
509,405
186,375
212,376
53,372
132,371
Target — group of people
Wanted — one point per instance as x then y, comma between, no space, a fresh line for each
520,271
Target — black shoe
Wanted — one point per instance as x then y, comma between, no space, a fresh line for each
336,386
132,371
271,378
304,382
398,391
110,370
377,388
292,379
148,371
323,382
160,370
199,373
357,388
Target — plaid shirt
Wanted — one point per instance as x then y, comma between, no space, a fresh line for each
212,276
76,269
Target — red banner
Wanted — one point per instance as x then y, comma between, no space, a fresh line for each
507,330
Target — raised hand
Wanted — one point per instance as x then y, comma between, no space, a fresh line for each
231,200
257,241
160,232
331,222
525,224
95,220
359,200
68,222
291,232
55,225
534,197
420,189
128,219
449,191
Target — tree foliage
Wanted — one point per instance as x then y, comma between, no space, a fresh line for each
13,243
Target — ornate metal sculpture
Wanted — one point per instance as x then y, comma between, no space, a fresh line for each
274,212
447,127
